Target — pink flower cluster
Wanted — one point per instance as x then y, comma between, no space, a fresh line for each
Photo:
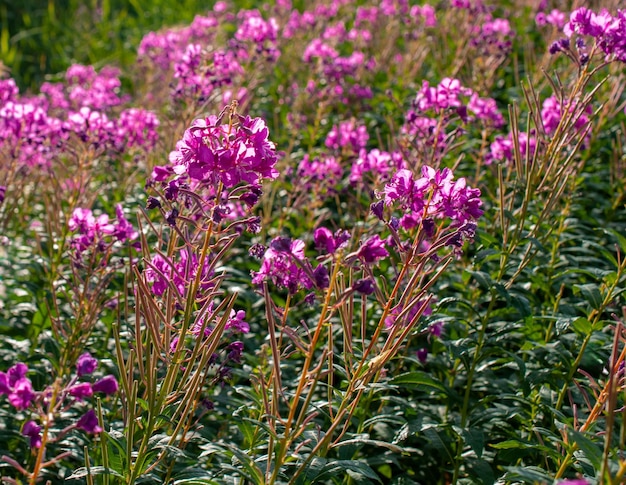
199,73
98,232
20,393
434,195
347,134
552,111
324,172
376,162
609,32
212,152
555,18
165,48
163,272
451,95
502,149
436,110
285,265
35,130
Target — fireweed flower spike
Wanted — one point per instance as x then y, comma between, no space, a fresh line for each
212,152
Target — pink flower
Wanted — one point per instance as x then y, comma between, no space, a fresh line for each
372,250
107,385
33,431
81,390
22,394
88,422
86,364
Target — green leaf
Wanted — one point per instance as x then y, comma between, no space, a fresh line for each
591,293
591,450
94,470
418,379
530,474
359,472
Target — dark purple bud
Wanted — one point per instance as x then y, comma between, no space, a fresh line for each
322,280
364,286
560,45
309,299
462,112
219,212
456,240
171,192
33,431
252,197
152,203
107,385
394,223
281,244
377,209
436,328
3,191
171,217
235,351
468,230
422,354
257,251
86,364
341,237
88,422
253,225
429,227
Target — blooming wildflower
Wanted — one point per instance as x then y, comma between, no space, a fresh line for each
280,265
347,134
22,394
377,162
502,148
328,242
81,390
365,286
136,128
552,112
435,195
236,322
372,250
33,431
86,364
107,385
212,152
16,373
88,422
327,171
608,31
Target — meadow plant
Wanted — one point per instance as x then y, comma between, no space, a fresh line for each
341,242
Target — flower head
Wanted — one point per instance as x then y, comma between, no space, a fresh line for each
88,422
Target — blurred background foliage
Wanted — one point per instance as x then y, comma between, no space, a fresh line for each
39,38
